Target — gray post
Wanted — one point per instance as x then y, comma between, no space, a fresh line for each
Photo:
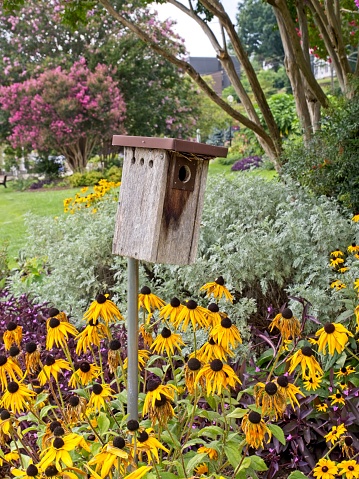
132,339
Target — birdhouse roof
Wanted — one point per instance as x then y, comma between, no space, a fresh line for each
174,144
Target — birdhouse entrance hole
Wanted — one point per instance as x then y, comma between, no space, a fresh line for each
184,176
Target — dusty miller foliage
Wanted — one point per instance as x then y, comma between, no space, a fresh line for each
268,239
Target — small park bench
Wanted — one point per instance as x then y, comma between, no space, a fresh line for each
3,180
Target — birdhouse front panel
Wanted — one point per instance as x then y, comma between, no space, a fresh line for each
161,198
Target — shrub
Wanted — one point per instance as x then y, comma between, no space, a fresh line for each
247,163
90,178
114,174
269,239
328,163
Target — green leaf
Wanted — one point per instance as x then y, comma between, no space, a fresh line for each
41,398
258,464
237,413
265,357
233,454
192,463
45,410
168,475
297,475
213,401
211,415
277,432
211,431
344,315
157,371
192,442
171,439
103,423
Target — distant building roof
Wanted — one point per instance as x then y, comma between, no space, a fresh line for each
212,66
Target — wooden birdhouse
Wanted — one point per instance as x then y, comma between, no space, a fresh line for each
161,198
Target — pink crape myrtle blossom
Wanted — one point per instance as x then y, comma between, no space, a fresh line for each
71,112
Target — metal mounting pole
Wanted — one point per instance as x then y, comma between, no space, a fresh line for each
132,339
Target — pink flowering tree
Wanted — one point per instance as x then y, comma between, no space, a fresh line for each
70,112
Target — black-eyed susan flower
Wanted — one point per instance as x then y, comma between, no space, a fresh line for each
52,367
333,335
217,289
148,300
338,285
31,472
111,456
255,429
289,390
210,451
211,350
155,391
346,444
75,408
114,355
353,248
345,371
270,398
32,357
16,397
162,411
12,335
192,313
218,376
5,425
59,451
321,407
101,393
171,311
201,470
49,433
56,313
355,218
349,468
138,473
311,383
191,369
145,330
213,314
143,357
334,262
8,369
335,433
325,469
58,333
226,334
91,336
103,308
304,358
288,325
337,253
148,444
337,398
84,374
167,341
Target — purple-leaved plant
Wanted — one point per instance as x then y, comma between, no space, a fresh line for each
247,163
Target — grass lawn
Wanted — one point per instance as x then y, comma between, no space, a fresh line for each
15,204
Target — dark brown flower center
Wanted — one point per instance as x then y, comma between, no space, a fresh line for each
338,395
166,333
194,364
59,431
114,345
254,417
54,425
226,323
85,367
101,298
74,401
51,471
283,381
175,302
343,370
191,304
324,469
30,347
348,440
13,387
329,328
119,442
32,470
271,388
4,415
307,351
216,365
54,323
97,389
14,351
132,425
351,468
3,360
11,326
219,280
161,402
152,384
145,290
142,436
53,312
213,307
58,442
50,360
287,313
211,341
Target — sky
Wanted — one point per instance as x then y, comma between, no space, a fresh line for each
196,41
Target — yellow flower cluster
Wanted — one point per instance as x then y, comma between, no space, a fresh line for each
104,187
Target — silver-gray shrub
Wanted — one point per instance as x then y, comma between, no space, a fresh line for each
268,239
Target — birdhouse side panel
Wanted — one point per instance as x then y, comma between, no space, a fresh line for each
144,178
182,212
